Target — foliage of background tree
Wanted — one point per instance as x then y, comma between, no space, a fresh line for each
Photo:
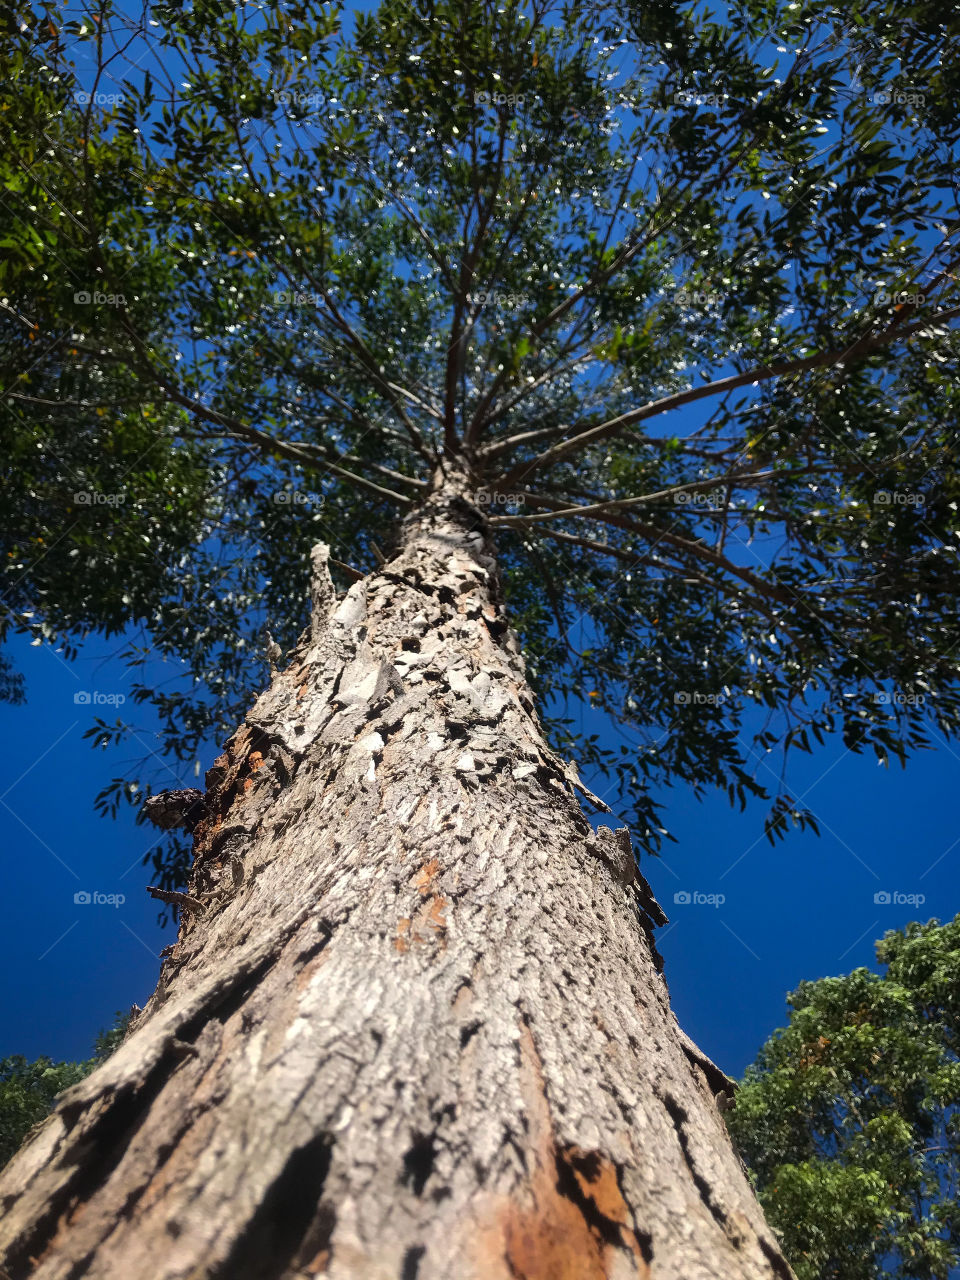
28,1089
535,237
848,1119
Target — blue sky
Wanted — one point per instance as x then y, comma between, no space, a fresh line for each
802,909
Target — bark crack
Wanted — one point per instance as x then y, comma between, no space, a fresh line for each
410,1269
679,1117
776,1260
418,1162
292,1226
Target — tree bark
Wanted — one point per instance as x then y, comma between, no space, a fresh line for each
414,1026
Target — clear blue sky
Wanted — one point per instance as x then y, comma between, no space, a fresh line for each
802,909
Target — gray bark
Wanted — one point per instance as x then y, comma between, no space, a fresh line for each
414,1025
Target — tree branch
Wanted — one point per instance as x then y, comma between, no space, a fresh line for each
857,350
695,548
652,562
617,504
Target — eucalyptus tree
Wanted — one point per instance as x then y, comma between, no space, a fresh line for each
525,351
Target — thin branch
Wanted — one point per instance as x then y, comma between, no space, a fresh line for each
458,336
618,504
308,455
650,533
234,428
614,426
652,562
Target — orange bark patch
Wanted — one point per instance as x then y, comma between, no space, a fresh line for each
309,969
400,941
256,760
435,917
570,1221
318,1265
551,1243
428,926
425,879
302,691
577,1226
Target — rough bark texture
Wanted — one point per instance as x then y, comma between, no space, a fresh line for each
418,1029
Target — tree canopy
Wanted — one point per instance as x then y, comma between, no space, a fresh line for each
679,289
848,1118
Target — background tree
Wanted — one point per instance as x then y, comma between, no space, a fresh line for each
848,1118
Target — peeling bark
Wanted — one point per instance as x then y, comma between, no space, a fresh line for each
416,1028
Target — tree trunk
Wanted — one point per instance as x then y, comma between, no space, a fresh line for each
414,1025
